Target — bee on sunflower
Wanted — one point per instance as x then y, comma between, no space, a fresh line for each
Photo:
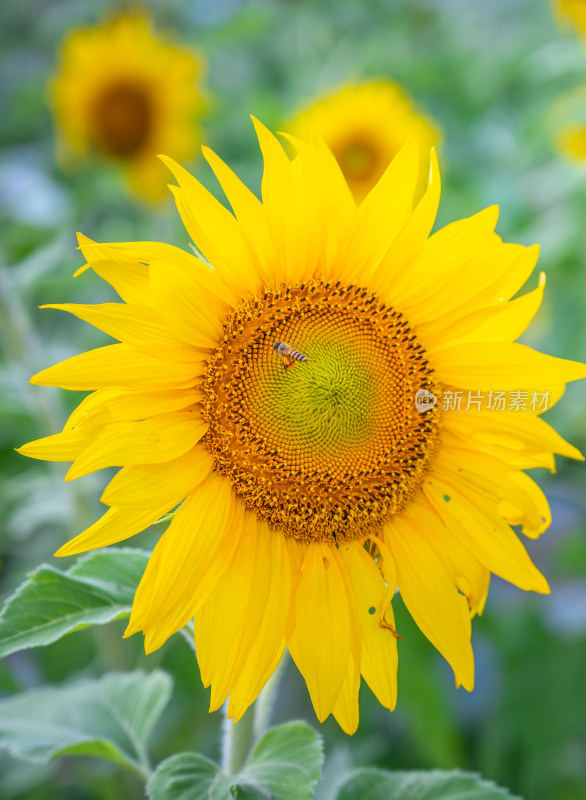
125,94
306,496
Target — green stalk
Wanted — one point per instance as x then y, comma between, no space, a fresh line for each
238,738
264,705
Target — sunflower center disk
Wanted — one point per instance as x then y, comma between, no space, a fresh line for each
330,448
122,120
358,160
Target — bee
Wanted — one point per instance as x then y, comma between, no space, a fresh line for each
288,355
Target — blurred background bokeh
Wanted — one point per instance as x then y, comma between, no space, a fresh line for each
492,77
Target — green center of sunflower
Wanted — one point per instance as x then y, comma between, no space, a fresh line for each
358,160
330,447
122,120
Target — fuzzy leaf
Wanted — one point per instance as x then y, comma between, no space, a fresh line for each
110,718
376,784
49,604
284,765
188,776
287,761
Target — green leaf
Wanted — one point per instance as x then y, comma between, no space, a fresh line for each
110,718
188,776
118,570
244,792
376,784
287,761
284,765
50,604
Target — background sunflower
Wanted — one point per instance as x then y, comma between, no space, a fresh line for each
523,725
365,126
125,92
572,12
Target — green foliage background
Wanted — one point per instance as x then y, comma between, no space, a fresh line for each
490,75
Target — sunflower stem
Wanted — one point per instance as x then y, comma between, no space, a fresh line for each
264,705
238,738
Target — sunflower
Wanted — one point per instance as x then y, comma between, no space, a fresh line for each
574,10
569,118
365,126
308,490
126,94
572,142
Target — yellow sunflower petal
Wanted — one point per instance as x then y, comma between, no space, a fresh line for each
251,216
379,646
187,310
533,461
93,409
499,323
65,446
321,217
345,709
509,280
114,526
120,366
158,252
149,441
138,326
443,257
412,236
472,519
281,192
138,485
511,321
276,163
472,577
186,556
126,275
320,645
212,227
534,514
513,430
187,604
265,652
428,588
319,154
490,276
516,501
386,208
228,624
125,406
504,366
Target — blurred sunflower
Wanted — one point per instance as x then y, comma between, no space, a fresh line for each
573,141
365,126
126,94
309,490
569,118
574,10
